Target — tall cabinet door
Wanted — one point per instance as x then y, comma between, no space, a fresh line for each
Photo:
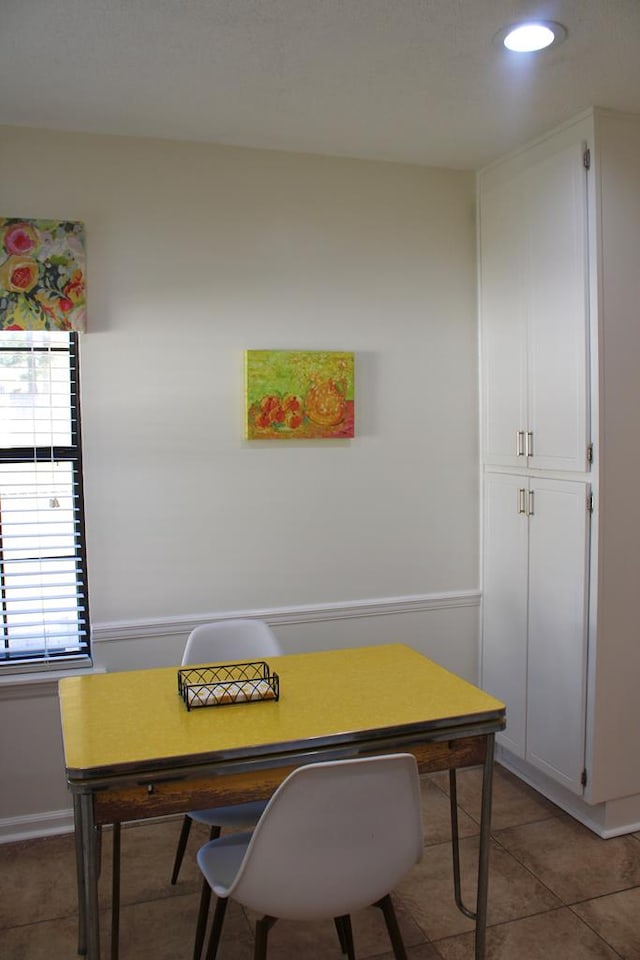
557,415
534,313
504,603
557,647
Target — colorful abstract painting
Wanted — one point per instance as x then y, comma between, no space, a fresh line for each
305,395
42,275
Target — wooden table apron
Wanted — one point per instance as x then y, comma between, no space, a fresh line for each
118,773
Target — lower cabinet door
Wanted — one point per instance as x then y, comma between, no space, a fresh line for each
534,621
557,630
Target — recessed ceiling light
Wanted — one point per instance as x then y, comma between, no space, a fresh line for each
531,36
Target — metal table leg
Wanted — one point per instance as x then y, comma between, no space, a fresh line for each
455,845
82,923
115,894
88,876
485,840
480,913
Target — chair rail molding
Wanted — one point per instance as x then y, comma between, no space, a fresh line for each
280,616
442,626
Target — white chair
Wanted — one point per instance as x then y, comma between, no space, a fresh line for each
335,837
234,641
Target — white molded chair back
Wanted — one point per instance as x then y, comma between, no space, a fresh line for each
334,838
230,640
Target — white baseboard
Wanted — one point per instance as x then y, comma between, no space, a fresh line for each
36,825
614,818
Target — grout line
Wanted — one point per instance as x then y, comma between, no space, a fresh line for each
603,896
593,929
540,913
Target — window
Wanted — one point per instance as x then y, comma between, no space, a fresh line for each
44,614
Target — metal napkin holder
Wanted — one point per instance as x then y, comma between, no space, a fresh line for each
219,685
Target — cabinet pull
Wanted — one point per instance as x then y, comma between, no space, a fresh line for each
530,510
519,443
529,444
521,504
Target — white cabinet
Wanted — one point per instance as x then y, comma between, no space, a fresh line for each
559,341
534,313
535,617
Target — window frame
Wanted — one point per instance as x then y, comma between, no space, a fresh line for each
42,659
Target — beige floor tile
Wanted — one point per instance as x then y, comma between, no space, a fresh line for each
427,892
47,940
164,930
37,880
513,801
437,814
558,935
571,860
147,854
423,951
420,951
534,862
370,932
318,939
617,919
313,940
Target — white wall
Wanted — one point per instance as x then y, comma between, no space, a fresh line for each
196,253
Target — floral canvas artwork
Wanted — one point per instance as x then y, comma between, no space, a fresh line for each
42,275
306,395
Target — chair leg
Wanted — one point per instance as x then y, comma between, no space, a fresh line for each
182,846
115,894
203,915
203,911
216,927
262,932
345,935
386,905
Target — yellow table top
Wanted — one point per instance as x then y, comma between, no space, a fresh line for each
115,719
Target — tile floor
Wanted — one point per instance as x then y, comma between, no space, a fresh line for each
557,892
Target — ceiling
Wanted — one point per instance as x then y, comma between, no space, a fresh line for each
408,80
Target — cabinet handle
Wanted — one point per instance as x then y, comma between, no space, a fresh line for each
521,504
530,511
519,443
529,444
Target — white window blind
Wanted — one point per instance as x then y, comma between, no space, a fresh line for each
43,585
